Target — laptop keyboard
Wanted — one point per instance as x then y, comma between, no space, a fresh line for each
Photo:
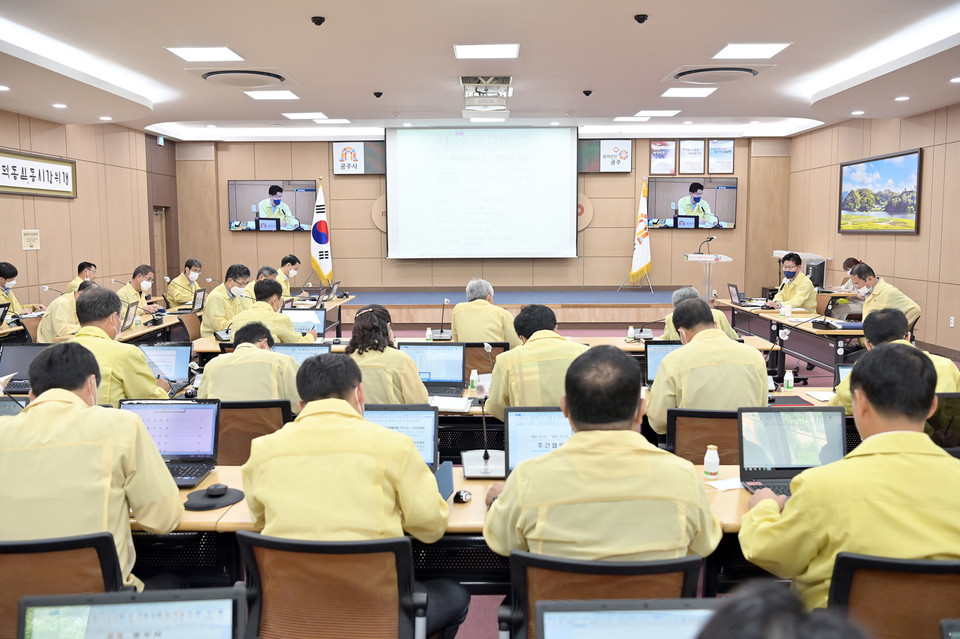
185,473
453,390
780,489
18,386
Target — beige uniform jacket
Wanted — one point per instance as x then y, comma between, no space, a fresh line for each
124,373
481,321
250,373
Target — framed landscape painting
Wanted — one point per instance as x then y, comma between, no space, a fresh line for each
881,194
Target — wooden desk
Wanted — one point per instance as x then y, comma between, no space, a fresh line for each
138,332
205,520
8,332
636,346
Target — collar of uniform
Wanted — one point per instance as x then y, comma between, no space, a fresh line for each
611,439
262,305
904,342
545,335
897,442
93,331
326,407
245,346
879,286
479,302
709,333
56,395
134,289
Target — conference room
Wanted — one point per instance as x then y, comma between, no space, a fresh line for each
580,207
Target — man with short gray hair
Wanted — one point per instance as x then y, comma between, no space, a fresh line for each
478,320
690,293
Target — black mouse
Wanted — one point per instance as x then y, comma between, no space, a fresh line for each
336,341
462,496
216,490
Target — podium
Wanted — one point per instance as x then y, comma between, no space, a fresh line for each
708,260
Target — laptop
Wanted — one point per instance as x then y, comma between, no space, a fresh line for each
440,365
185,432
217,613
841,373
531,431
419,421
655,351
660,618
3,312
15,359
129,316
950,629
170,361
778,443
305,319
10,407
301,352
741,300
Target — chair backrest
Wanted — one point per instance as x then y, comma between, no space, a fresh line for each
690,431
241,422
328,589
69,565
190,322
913,326
476,358
226,347
896,598
823,300
32,326
541,578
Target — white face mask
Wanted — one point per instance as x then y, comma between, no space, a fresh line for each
193,276
293,272
863,290
145,285
116,336
86,279
237,291
356,394
10,284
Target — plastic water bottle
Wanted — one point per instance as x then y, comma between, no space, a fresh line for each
711,463
788,381
630,333
474,379
429,334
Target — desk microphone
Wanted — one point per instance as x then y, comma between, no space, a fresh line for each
442,335
706,241
213,279
484,463
489,350
50,288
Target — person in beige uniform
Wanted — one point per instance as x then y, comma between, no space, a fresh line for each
252,371
86,272
265,273
182,288
138,289
289,267
390,376
70,467
60,321
796,290
225,301
266,310
877,294
532,374
709,371
478,320
690,293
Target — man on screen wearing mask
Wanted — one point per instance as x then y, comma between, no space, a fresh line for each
694,204
274,207
138,289
796,290
180,291
878,294
124,373
225,301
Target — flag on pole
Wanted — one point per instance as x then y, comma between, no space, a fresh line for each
321,258
641,243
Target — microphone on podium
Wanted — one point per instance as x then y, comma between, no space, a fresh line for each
442,335
706,241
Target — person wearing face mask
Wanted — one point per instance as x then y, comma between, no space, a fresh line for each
694,204
86,272
331,475
796,290
225,301
275,207
181,289
390,376
877,294
266,310
265,273
88,468
854,303
123,367
289,267
8,275
710,371
137,290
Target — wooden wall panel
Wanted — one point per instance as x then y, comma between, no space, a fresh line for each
10,130
614,212
884,136
508,272
116,145
953,123
950,229
201,228
933,322
47,138
274,161
455,273
608,242
949,307
558,273
604,185
919,130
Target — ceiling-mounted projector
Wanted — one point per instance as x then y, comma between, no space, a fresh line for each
485,103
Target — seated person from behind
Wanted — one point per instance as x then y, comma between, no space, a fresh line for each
689,293
390,376
694,204
8,274
607,493
274,207
891,496
266,310
86,272
124,373
265,273
478,320
889,326
854,303
72,468
796,290
330,475
709,371
181,289
878,294
532,374
138,288
225,301
60,321
252,371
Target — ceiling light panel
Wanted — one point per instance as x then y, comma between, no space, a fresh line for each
485,51
205,54
272,95
751,51
315,115
688,92
656,113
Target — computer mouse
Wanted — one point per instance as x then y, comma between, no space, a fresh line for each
190,393
216,490
336,340
462,496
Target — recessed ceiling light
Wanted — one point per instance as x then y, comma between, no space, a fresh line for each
631,118
205,54
4,87
485,51
747,51
58,105
314,115
554,124
105,118
688,92
408,124
754,121
955,80
211,126
488,119
902,98
856,113
656,113
688,121
333,121
272,95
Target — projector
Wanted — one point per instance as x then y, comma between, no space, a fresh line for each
485,103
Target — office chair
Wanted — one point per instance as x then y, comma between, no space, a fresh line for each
191,323
331,589
896,598
690,431
226,347
539,577
32,326
241,422
476,358
67,565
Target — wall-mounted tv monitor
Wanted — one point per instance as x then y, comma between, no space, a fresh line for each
881,194
665,193
252,209
481,192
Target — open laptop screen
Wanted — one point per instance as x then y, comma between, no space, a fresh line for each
305,320
418,421
170,361
655,351
531,432
841,374
437,362
790,438
660,618
180,429
301,352
16,358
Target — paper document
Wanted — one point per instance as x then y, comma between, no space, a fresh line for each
5,379
732,483
821,396
451,404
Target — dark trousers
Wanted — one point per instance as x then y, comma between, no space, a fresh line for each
447,605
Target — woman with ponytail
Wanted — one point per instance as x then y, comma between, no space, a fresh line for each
389,375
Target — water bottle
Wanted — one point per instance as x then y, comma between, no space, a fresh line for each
788,381
711,463
630,333
474,379
429,334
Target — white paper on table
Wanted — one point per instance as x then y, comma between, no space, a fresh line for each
5,379
732,483
821,396
451,404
